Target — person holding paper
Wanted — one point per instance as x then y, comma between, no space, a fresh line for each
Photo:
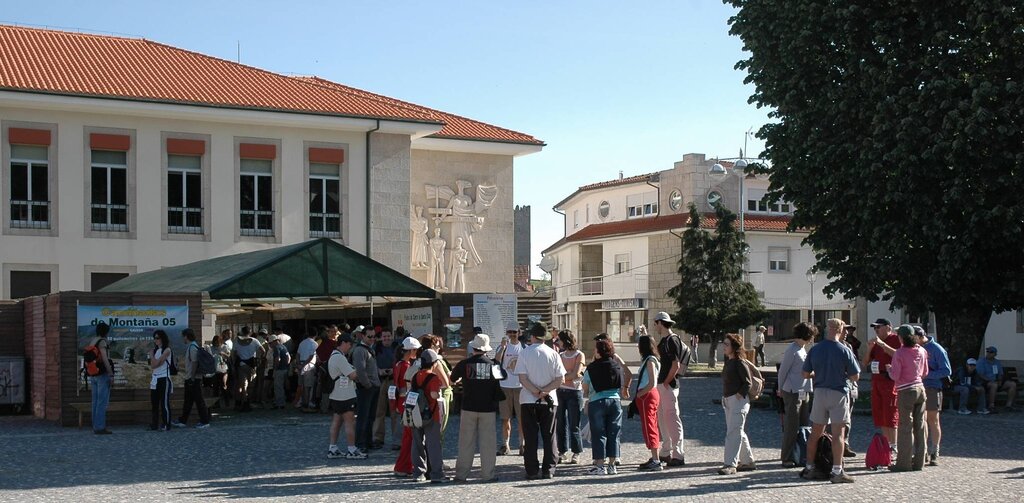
881,346
481,393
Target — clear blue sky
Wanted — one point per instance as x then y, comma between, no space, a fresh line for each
609,86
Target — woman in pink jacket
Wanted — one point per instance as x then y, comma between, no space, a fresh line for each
908,369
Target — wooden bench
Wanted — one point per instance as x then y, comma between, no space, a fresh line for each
84,408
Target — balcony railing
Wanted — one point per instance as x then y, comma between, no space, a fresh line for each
184,220
616,286
257,223
325,225
30,214
109,217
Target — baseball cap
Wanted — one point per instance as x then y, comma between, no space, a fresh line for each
345,338
905,331
510,327
428,358
663,316
972,361
881,322
410,343
991,349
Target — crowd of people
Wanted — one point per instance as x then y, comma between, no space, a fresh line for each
543,384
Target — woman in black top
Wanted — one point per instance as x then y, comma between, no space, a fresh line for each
603,380
736,402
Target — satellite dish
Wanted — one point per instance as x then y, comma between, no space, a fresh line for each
548,264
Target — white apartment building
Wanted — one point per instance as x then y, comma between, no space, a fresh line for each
619,257
122,155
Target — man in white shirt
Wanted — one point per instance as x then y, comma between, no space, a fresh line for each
758,344
307,371
540,373
342,400
508,355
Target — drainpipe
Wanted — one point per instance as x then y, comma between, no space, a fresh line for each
658,187
368,187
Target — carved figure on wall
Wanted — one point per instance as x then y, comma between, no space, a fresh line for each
457,271
437,244
419,225
463,213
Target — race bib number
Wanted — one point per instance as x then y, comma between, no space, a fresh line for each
392,391
874,367
410,399
802,394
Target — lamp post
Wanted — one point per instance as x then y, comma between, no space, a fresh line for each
811,277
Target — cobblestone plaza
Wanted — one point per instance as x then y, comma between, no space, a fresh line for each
281,455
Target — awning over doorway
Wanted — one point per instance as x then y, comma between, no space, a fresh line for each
315,268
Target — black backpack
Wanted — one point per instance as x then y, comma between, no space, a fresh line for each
206,364
823,458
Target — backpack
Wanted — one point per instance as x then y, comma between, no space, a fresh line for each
823,458
878,454
206,363
419,414
799,455
756,380
91,361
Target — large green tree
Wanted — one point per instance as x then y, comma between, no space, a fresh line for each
898,135
712,296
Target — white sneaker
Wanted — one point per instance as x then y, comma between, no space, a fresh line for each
357,454
202,426
597,470
964,412
563,458
612,470
575,458
334,454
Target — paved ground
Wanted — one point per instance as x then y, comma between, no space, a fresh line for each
281,455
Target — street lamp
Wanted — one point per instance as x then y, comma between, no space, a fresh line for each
811,277
719,172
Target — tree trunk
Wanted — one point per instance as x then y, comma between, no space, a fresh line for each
962,333
713,351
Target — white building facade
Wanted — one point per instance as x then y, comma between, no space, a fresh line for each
102,179
619,257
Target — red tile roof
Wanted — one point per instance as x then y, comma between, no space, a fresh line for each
751,222
610,183
59,62
455,127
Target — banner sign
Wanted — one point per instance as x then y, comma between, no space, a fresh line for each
416,321
131,337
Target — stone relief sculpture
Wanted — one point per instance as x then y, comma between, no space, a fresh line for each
419,225
463,212
436,275
457,271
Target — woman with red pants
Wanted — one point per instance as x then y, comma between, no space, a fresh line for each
647,399
403,466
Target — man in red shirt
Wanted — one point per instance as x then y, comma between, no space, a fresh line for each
877,360
323,355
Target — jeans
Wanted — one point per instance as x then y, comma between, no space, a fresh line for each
797,414
910,440
366,407
280,378
100,386
538,418
194,395
605,424
965,395
567,420
759,353
737,445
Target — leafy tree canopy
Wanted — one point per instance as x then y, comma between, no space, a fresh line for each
898,137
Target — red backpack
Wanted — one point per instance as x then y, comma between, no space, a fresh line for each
878,454
91,361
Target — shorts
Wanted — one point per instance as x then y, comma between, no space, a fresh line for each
830,405
510,405
933,399
883,403
342,406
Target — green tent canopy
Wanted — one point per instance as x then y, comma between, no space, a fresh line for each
315,268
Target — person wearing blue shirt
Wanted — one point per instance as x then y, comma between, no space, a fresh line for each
830,363
990,369
938,371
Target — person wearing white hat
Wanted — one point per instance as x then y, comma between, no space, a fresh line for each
674,358
480,376
508,357
281,362
403,465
